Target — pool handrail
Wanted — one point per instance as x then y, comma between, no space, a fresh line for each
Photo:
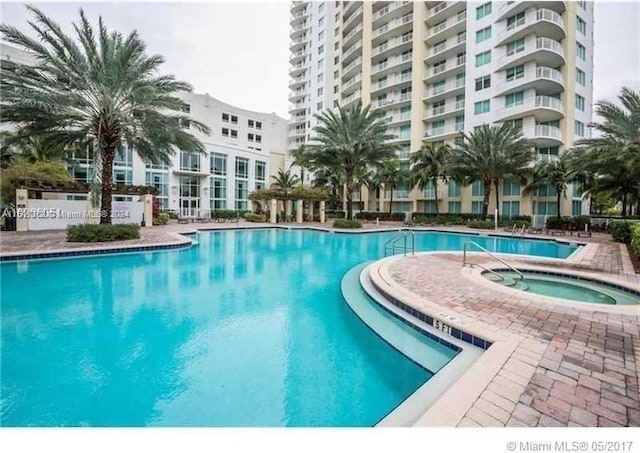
402,234
464,260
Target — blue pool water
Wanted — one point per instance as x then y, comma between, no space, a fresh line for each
246,329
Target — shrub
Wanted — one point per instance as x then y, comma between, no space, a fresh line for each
383,216
621,231
103,233
161,219
483,224
335,214
635,238
172,214
227,214
344,223
249,217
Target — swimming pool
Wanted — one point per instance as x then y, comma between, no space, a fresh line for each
247,328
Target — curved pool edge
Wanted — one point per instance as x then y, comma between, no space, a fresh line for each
384,321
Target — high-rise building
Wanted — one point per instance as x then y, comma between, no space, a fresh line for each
439,68
243,150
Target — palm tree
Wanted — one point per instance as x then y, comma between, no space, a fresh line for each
428,165
391,175
285,180
100,87
489,154
300,159
557,173
350,140
614,156
328,178
372,181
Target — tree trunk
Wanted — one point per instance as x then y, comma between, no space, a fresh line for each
485,201
435,192
559,194
349,196
495,183
624,204
391,199
108,154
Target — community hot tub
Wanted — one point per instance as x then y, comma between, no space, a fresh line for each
565,286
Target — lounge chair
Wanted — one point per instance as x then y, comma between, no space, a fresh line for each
558,232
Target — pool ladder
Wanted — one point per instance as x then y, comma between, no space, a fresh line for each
392,245
475,244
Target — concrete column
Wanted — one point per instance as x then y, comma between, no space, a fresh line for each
22,204
147,199
322,211
311,202
299,208
273,210
287,209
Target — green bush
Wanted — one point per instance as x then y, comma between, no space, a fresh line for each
483,224
383,216
172,214
227,214
621,231
335,214
568,223
635,238
344,223
103,233
249,217
161,219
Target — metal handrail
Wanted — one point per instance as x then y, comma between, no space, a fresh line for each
403,234
464,258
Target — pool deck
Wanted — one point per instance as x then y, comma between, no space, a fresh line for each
552,363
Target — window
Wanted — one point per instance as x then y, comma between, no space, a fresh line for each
514,73
123,157
242,195
258,138
581,77
321,35
218,164
438,108
482,107
242,167
548,153
218,193
122,177
511,188
516,46
582,4
258,125
453,189
483,35
320,91
476,207
513,99
335,103
225,117
320,63
159,180
250,137
460,79
546,191
579,129
234,133
189,187
582,26
545,208
482,11
320,77
581,51
515,21
483,58
336,60
576,207
517,123
189,161
579,102
336,74
234,119
455,207
261,171
250,123
510,208
321,49
225,132
483,82
477,189
319,106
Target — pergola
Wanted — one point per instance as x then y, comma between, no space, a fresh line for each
298,194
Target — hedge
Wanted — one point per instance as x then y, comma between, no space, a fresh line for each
344,223
568,223
228,214
635,238
335,214
470,220
621,231
161,219
103,233
249,217
384,216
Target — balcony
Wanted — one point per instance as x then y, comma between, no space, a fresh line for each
445,111
297,69
393,7
297,132
451,66
397,117
449,89
443,10
353,97
352,52
298,15
392,81
451,46
395,99
298,42
543,135
543,79
350,21
297,82
392,63
543,51
400,24
297,29
352,83
350,37
348,70
393,44
543,108
296,95
507,9
541,22
447,29
444,132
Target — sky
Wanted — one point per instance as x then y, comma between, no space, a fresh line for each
238,51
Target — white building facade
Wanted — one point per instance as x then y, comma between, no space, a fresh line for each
244,148
439,68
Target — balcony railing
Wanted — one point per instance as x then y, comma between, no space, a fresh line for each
393,24
548,73
443,88
387,9
392,43
543,130
549,44
548,102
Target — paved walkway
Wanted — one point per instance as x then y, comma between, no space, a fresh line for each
572,366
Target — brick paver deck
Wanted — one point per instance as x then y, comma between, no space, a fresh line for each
574,367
